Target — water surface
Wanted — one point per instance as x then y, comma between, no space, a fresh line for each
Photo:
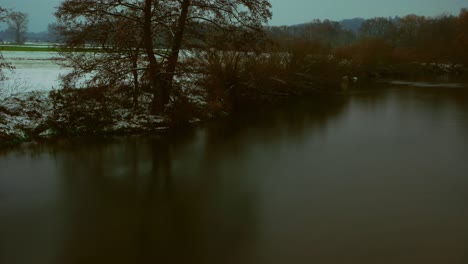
379,176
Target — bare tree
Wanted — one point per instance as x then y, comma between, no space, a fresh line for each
3,64
409,29
18,23
53,34
3,14
379,27
152,33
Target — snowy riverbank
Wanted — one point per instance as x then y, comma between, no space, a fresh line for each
34,115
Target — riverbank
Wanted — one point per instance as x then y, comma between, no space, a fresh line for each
32,116
222,87
38,115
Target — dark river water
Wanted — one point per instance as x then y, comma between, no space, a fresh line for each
376,176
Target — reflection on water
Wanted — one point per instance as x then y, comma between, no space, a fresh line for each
375,177
428,84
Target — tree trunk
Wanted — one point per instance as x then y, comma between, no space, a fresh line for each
136,83
18,37
157,103
175,51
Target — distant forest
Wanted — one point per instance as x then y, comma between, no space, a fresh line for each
381,39
50,36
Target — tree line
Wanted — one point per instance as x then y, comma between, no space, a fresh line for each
385,39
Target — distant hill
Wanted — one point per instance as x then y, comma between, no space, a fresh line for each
352,24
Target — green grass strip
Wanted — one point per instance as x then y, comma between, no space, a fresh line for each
28,48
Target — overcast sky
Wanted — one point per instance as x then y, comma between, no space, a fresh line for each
285,12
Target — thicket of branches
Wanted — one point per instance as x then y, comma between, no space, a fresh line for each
139,44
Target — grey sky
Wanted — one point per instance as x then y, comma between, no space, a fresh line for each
40,11
285,12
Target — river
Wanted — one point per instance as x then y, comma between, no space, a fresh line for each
374,176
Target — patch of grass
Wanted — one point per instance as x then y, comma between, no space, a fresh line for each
28,48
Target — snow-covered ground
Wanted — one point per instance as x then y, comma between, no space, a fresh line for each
35,71
27,110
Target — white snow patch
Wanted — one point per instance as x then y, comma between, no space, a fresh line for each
34,71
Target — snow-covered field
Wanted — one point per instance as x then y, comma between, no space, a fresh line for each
34,71
37,71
